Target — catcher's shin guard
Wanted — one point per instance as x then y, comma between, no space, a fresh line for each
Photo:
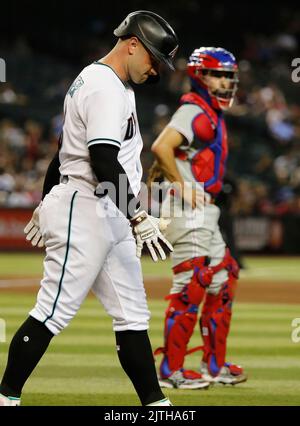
215,320
180,320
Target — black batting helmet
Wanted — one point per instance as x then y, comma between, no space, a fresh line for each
153,31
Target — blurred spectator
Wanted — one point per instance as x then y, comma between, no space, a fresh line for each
7,181
264,123
8,95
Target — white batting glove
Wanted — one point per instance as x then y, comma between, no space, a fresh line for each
146,229
32,229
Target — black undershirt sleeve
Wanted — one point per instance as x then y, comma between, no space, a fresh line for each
105,165
52,175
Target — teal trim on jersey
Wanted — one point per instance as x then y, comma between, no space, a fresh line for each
101,63
66,258
103,139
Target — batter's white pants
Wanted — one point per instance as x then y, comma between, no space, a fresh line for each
193,238
88,248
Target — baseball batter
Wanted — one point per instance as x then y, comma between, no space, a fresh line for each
86,218
193,149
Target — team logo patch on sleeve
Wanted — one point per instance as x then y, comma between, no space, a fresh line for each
75,86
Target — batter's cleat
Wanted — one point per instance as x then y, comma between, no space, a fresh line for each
163,402
9,401
229,374
184,379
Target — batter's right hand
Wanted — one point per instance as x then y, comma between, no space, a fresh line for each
146,230
32,229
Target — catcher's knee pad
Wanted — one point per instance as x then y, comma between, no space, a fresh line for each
179,325
181,317
214,324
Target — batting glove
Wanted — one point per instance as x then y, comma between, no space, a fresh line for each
147,230
32,229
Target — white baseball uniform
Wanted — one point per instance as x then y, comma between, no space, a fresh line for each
89,246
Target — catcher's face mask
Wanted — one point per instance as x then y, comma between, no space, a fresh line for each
222,85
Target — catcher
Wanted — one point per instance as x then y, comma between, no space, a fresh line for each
193,149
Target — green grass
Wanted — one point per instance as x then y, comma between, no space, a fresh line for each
81,366
21,264
260,267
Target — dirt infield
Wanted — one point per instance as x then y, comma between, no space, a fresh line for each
248,290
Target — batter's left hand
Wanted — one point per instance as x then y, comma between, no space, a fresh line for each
32,229
146,230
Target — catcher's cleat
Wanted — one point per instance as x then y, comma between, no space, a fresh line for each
184,379
229,374
9,401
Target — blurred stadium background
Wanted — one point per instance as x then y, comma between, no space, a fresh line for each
44,48
44,51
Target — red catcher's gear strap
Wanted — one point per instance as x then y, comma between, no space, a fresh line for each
189,265
228,263
193,98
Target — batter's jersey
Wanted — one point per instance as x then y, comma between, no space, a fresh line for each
100,108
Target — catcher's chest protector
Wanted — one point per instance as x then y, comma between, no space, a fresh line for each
209,162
